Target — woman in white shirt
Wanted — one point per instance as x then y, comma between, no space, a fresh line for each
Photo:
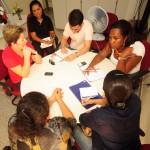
124,48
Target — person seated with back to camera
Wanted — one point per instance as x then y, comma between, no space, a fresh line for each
115,125
40,26
124,48
32,128
19,54
80,31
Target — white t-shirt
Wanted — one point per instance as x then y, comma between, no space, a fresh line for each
77,39
138,49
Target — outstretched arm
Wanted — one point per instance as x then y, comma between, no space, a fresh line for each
63,44
102,102
52,36
98,58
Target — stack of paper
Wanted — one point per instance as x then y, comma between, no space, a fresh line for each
94,75
43,45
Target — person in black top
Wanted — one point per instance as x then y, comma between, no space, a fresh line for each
40,26
116,125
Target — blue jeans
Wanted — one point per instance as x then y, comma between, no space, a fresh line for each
84,142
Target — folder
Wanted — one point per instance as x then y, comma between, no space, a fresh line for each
75,90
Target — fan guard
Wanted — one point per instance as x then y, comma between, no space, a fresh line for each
99,20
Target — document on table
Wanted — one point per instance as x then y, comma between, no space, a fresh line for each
88,92
43,45
84,84
62,55
93,75
57,58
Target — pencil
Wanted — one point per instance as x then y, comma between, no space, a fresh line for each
91,70
88,98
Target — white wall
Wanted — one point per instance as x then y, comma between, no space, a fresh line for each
24,4
125,8
121,10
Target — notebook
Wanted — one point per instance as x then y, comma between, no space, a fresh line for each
75,90
43,45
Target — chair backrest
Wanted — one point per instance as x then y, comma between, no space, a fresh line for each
112,18
145,65
3,69
145,147
99,45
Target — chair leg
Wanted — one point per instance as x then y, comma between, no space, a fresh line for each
13,101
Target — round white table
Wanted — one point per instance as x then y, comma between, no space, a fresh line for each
65,74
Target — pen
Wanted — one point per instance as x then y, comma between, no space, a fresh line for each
88,98
61,59
92,70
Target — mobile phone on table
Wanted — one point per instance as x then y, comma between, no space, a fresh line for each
48,73
82,63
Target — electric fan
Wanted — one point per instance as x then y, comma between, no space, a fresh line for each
99,20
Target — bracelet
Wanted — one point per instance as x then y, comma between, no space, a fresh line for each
121,58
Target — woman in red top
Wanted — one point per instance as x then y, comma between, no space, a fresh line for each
19,54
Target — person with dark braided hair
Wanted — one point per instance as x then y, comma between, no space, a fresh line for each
114,126
31,129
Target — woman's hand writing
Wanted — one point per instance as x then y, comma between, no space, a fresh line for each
86,101
88,70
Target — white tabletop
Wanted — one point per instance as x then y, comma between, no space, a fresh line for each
64,75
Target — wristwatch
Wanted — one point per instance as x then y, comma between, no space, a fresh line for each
76,54
34,53
121,58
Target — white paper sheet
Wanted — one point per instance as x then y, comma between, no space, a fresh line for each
87,92
93,76
43,45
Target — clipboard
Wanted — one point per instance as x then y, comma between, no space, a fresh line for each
76,92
